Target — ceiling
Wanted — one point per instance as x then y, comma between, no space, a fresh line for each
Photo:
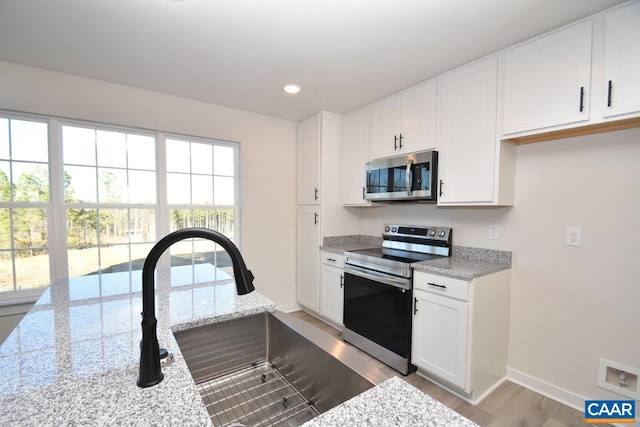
240,53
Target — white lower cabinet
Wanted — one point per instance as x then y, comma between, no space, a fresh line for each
332,287
308,242
460,331
440,344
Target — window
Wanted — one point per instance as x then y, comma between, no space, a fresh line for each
201,192
80,199
110,199
24,204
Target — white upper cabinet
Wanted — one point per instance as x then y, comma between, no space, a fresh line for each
622,61
404,123
470,163
309,137
547,81
355,155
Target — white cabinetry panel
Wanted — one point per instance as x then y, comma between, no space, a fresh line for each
622,61
440,336
309,134
467,105
308,243
547,81
355,155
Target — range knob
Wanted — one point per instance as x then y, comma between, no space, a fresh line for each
386,228
441,233
394,229
432,232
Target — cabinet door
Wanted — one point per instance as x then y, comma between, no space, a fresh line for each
418,118
467,134
332,284
385,127
355,155
547,81
440,327
622,61
309,136
308,244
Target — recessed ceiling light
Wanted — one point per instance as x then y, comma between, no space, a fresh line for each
292,89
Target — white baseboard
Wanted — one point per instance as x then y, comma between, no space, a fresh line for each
549,390
289,308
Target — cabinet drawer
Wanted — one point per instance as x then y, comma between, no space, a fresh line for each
441,285
329,258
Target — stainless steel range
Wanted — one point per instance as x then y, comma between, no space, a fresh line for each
378,291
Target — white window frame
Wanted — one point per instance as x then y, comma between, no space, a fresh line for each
56,207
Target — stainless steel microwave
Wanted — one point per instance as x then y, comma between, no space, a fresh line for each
411,177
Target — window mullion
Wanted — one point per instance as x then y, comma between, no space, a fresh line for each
162,213
58,256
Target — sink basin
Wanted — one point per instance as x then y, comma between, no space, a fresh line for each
272,369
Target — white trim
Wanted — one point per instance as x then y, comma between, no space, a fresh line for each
549,390
289,308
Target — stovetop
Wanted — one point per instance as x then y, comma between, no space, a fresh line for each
395,255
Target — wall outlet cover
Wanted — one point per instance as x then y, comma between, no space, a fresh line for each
494,232
573,236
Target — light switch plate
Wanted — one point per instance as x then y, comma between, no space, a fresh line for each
573,236
494,232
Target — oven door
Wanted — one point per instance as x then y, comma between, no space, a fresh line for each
379,312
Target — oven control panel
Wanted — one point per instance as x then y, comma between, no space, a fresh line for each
417,232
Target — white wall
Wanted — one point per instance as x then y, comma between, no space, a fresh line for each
267,145
569,305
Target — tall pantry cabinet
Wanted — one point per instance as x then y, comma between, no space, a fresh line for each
320,212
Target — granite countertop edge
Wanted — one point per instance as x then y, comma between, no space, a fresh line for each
466,262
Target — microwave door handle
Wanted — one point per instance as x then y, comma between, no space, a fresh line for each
407,180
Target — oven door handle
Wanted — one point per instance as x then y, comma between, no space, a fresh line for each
382,278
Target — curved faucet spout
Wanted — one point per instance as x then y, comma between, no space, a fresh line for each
150,373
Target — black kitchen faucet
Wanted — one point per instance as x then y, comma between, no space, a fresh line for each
150,373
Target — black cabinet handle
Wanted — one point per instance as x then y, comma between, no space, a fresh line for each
441,184
401,141
363,197
341,281
609,93
581,98
395,142
316,194
415,305
331,259
436,285
315,217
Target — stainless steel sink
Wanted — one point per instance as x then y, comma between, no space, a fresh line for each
272,369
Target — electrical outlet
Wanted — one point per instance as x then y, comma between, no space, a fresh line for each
573,236
494,232
379,224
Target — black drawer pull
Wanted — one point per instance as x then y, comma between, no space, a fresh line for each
331,259
415,305
609,93
436,285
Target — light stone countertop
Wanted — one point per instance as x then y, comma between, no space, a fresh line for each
467,263
341,244
464,263
392,403
73,359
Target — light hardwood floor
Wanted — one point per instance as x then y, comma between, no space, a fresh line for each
510,405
